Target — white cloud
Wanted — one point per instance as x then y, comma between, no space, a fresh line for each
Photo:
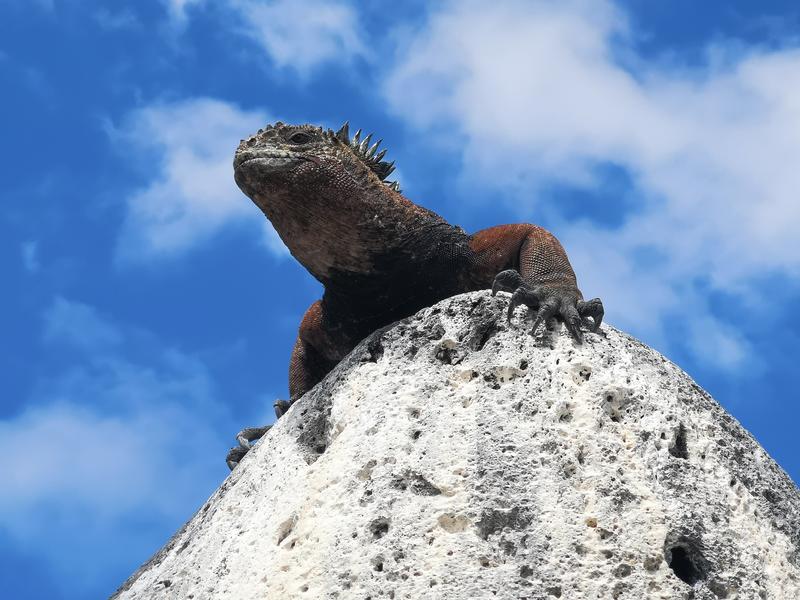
728,348
114,447
29,252
192,194
302,35
79,325
535,93
296,35
177,8
109,465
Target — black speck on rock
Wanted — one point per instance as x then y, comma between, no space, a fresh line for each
495,520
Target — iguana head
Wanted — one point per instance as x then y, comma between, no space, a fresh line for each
273,156
318,188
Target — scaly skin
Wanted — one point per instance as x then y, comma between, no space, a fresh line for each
379,256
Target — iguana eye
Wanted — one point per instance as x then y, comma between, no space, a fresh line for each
300,138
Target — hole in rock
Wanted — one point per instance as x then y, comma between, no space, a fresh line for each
622,570
374,350
377,563
604,533
684,567
416,483
678,449
445,355
379,527
496,520
483,332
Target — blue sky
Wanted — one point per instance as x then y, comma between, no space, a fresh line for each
149,310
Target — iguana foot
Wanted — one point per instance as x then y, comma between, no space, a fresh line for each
591,309
281,406
246,438
249,435
234,456
551,303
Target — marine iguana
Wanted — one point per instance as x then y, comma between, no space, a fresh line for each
380,256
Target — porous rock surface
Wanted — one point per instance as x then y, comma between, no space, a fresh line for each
455,456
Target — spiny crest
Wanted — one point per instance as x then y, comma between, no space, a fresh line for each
368,153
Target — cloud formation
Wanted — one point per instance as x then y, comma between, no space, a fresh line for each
29,252
189,146
177,8
548,93
302,35
79,326
103,442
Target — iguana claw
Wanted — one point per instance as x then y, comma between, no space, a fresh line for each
551,303
246,437
594,309
249,435
281,406
234,456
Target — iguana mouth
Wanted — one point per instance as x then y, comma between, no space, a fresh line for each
267,161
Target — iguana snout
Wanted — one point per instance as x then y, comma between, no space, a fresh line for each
274,152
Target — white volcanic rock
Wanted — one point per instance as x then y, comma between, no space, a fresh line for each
454,456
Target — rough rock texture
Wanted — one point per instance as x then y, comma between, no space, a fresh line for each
454,456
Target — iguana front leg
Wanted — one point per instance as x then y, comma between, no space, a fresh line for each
307,367
533,265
